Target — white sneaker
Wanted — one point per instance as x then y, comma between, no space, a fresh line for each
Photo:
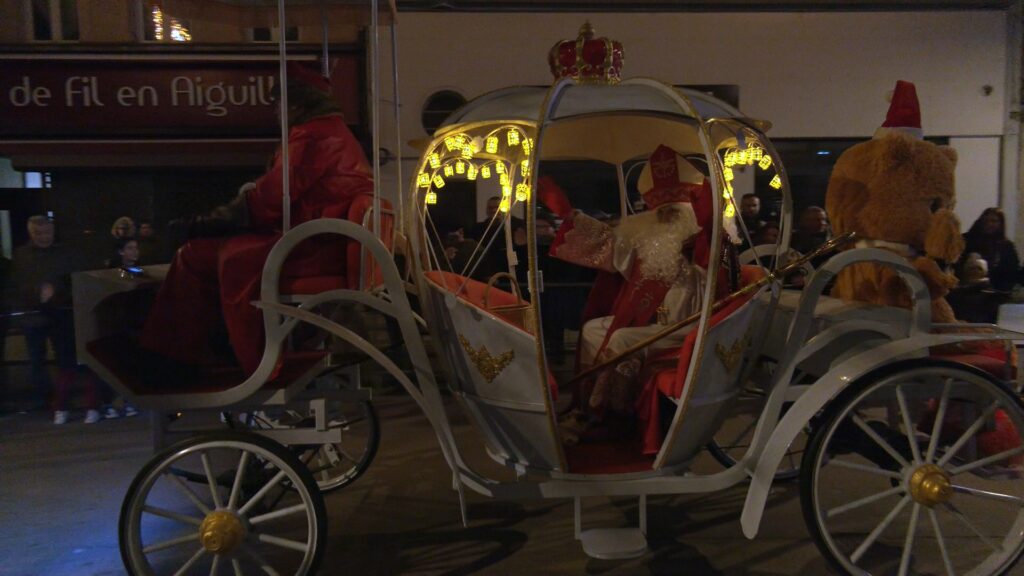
111,413
61,417
92,417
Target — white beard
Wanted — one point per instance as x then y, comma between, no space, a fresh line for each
658,245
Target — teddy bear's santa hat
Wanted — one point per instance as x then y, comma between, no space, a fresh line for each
904,112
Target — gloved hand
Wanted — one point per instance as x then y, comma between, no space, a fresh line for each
552,196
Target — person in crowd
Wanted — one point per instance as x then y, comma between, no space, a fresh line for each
151,250
127,256
41,291
489,234
123,227
218,271
750,214
5,274
987,238
812,231
767,234
458,249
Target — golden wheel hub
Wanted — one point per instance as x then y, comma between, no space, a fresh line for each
221,532
930,485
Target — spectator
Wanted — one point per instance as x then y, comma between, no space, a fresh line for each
41,289
123,227
151,250
127,254
767,234
987,238
750,214
458,249
812,231
491,238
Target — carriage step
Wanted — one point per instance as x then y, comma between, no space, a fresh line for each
613,543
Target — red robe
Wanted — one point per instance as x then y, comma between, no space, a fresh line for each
210,277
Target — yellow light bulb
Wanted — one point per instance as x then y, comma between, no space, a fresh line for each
485,172
730,211
449,170
430,198
776,182
527,145
524,167
460,167
503,179
505,205
492,145
728,174
755,154
467,151
423,179
438,181
765,162
472,172
513,137
435,160
730,158
522,192
506,190
449,143
499,167
741,157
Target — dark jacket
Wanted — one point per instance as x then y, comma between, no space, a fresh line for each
31,267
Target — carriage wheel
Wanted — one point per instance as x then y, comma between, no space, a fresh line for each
917,471
223,503
333,465
733,438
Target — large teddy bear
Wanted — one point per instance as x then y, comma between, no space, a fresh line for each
896,191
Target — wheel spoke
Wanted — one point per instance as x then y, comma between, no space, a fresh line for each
345,423
907,425
963,518
183,518
236,486
267,568
210,479
968,434
866,469
177,481
215,564
283,542
879,440
184,568
262,492
940,416
277,514
942,543
986,461
863,502
237,567
908,544
171,543
870,540
989,495
331,452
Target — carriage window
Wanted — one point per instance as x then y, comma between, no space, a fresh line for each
591,186
54,20
437,108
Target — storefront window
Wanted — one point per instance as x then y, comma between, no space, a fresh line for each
54,20
291,34
159,26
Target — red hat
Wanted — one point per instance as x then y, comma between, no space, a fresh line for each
668,177
300,73
904,112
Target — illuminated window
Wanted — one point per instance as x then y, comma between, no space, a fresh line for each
159,26
54,20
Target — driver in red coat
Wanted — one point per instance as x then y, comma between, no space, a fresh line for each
212,277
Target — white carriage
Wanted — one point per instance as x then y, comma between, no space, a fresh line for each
925,449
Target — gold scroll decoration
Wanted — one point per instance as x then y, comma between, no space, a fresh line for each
489,366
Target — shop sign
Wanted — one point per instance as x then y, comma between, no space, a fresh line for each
127,97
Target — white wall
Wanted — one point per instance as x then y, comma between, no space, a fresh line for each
811,74
977,177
